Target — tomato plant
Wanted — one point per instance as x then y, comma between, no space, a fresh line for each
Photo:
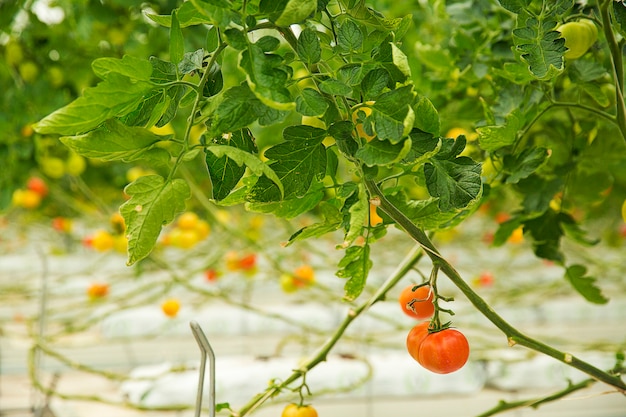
295,410
342,120
418,303
443,351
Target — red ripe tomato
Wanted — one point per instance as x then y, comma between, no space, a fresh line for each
37,185
417,304
444,351
415,338
294,410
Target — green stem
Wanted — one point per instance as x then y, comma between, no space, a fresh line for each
513,335
407,264
618,65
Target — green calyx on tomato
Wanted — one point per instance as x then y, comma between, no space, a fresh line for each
579,36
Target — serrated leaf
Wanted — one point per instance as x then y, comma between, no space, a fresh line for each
224,172
426,116
382,152
192,61
187,16
331,221
287,12
128,66
291,208
349,36
515,6
355,266
237,108
342,132
423,147
308,46
177,43
266,77
522,165
241,158
297,162
153,203
455,182
374,83
542,47
113,141
359,213
116,96
311,103
585,285
492,138
392,114
335,87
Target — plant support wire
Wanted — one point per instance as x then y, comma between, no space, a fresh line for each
206,351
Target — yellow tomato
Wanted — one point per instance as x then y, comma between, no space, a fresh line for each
375,218
170,307
294,410
624,211
188,220
52,166
27,199
75,164
102,241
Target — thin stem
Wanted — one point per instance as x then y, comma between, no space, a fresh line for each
513,335
618,65
405,266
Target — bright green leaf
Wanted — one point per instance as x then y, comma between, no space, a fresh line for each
392,114
311,103
426,116
382,152
355,266
153,203
177,44
349,36
133,68
308,46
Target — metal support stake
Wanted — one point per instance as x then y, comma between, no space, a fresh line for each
205,350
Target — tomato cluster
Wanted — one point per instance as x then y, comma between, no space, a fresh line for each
440,350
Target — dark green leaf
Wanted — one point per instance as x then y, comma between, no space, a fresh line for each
455,182
379,152
335,87
515,6
311,103
392,114
331,222
297,161
224,172
237,109
308,46
342,132
349,36
153,203
268,43
267,77
423,147
542,47
293,207
619,11
538,192
585,285
522,165
236,38
374,83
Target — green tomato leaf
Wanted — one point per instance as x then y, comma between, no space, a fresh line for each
177,43
224,172
114,141
187,16
335,87
293,207
116,96
331,221
585,285
392,114
492,138
308,46
454,180
267,77
311,103
522,165
192,61
241,158
133,68
218,12
355,266
426,116
343,133
298,161
382,152
359,215
287,12
619,11
349,36
541,46
153,203
423,147
515,6
374,82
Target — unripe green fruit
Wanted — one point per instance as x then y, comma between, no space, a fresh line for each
579,36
